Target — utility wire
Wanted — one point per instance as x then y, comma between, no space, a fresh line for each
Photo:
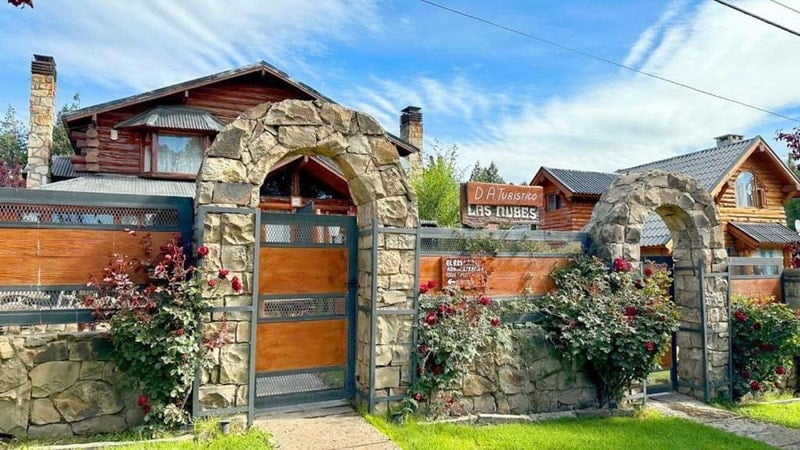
757,17
607,61
786,6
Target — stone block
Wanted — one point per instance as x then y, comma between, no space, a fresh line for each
338,117
44,412
87,399
217,396
53,351
52,431
14,410
13,373
476,385
101,424
6,351
297,137
238,229
234,363
232,193
293,112
92,370
237,258
387,377
243,332
53,377
81,351
228,143
369,126
223,170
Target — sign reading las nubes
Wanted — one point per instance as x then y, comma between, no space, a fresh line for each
487,203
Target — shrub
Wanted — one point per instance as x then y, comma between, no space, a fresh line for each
613,324
452,329
154,326
765,339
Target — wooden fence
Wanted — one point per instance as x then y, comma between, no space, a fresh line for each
50,243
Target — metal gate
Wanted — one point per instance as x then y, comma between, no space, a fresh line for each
305,340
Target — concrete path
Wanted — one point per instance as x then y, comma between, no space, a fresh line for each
322,428
683,406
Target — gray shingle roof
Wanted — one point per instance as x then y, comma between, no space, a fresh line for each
767,233
583,182
707,166
124,184
654,232
175,117
61,167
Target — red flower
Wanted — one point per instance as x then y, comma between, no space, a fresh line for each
745,374
740,316
650,346
179,332
423,289
420,371
212,282
142,400
767,347
757,326
621,265
630,311
485,300
432,284
780,370
495,321
236,284
443,308
147,409
431,319
418,397
423,348
202,251
648,271
755,385
223,273
437,369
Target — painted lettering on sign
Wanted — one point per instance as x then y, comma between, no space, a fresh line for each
504,194
483,204
466,272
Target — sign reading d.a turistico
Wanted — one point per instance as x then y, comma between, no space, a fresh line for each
502,204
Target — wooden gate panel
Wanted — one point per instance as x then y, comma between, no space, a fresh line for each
303,270
301,345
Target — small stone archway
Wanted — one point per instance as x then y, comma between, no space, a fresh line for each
689,212
227,199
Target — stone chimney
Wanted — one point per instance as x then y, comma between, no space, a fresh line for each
726,139
42,115
411,132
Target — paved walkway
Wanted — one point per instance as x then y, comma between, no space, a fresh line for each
683,406
321,428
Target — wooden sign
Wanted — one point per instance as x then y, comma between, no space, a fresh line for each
466,272
502,204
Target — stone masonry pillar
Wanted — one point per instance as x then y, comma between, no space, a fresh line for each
42,115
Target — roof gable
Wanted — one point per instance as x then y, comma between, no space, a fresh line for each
577,182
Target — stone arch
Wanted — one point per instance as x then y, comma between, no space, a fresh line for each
227,199
689,212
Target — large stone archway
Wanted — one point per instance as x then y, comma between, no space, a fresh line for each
227,200
698,252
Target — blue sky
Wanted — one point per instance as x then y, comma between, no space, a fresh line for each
496,95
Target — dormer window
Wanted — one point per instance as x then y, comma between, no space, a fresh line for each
748,194
174,139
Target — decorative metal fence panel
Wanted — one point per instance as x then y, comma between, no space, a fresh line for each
52,241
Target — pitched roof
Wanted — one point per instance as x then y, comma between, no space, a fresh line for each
174,117
708,166
61,167
261,66
582,182
654,232
124,184
767,233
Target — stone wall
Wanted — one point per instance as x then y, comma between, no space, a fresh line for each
59,385
520,377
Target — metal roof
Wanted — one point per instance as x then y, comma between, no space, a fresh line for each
124,184
767,233
708,166
583,182
654,232
261,66
61,167
175,117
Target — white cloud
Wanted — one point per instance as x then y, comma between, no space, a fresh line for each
139,44
633,119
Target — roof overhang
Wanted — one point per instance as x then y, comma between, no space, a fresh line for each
754,235
760,146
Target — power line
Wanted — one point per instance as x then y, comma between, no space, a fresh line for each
607,61
786,6
757,17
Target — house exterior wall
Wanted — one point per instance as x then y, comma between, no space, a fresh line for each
573,216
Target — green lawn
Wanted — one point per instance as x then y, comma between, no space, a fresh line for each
651,433
786,414
252,439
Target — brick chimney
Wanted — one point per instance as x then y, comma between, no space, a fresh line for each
411,132
726,139
42,116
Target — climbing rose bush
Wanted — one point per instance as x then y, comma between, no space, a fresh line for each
152,305
453,326
765,339
613,323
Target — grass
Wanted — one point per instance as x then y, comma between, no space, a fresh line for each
251,439
651,432
786,414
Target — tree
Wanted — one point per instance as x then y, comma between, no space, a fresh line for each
792,140
438,187
488,174
61,144
13,138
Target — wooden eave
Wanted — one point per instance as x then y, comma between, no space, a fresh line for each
791,181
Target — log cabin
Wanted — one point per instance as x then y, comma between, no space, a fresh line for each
153,143
749,183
